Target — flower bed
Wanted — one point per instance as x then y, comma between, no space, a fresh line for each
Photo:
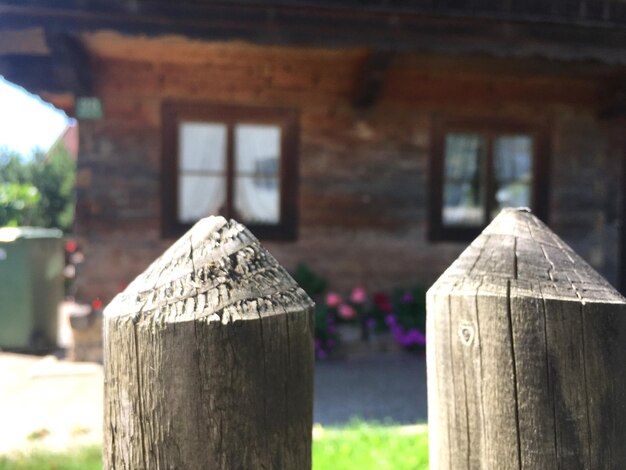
364,318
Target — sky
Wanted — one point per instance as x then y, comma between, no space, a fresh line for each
27,122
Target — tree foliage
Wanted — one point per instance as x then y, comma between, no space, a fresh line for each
37,191
18,203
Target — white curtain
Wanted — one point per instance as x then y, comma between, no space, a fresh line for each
513,170
201,167
202,147
200,196
463,180
257,182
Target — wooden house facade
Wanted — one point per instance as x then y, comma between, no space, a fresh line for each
371,140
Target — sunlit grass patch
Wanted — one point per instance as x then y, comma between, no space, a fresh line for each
81,458
370,446
360,446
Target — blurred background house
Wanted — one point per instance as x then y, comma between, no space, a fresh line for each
371,140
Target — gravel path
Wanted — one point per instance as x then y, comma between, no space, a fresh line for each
45,402
384,387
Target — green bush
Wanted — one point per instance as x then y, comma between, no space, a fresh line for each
38,190
18,204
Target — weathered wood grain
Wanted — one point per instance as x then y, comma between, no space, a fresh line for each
468,28
209,359
524,349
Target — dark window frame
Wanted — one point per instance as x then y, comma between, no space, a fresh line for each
174,113
490,128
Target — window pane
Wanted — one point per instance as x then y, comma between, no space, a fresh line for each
257,199
257,168
512,162
200,196
257,149
463,191
202,147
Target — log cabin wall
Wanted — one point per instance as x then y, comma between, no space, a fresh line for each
364,184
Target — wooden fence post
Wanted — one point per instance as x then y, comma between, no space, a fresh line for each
209,359
526,356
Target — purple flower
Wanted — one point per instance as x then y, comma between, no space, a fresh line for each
391,320
407,298
416,337
371,323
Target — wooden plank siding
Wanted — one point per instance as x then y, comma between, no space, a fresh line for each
343,24
363,170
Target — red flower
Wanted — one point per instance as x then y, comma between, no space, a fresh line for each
382,302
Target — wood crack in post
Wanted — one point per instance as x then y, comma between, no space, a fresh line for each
454,392
264,365
480,358
200,373
191,258
451,352
552,267
514,372
514,257
467,420
549,379
586,387
142,421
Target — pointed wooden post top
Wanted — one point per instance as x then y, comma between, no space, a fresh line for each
520,252
208,359
217,271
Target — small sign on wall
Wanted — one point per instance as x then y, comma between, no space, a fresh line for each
89,108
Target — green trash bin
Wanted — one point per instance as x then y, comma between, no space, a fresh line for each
31,287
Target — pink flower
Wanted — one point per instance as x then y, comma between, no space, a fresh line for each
359,295
346,312
333,299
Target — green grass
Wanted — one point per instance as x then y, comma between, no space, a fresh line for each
83,458
365,446
359,446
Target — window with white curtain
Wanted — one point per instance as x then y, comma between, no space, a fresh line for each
478,168
236,162
475,171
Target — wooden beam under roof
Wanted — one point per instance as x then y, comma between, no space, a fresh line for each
605,13
30,41
55,63
317,24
